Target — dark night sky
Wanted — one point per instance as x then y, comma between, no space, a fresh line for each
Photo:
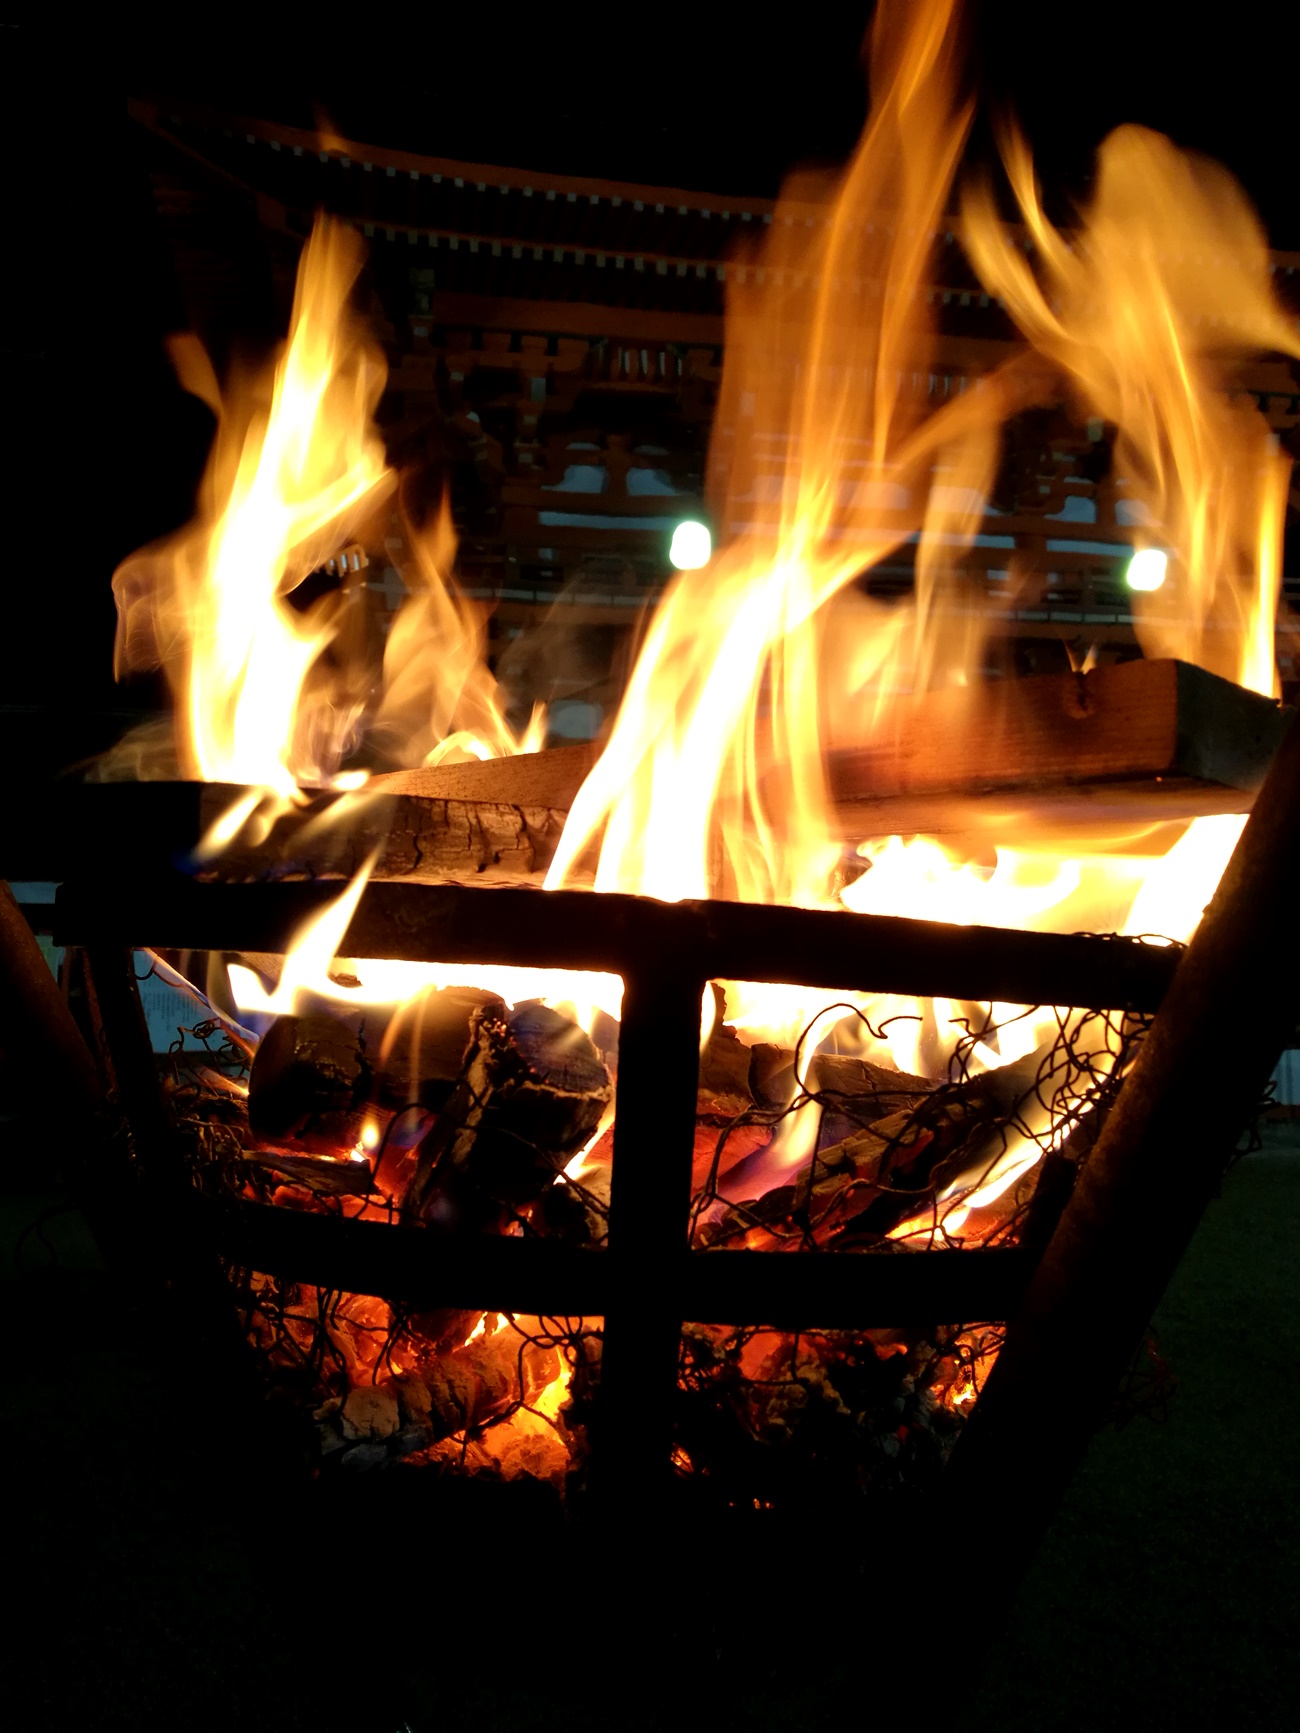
727,102
714,97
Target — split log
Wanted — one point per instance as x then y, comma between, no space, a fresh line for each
530,779
320,1174
498,819
419,838
1154,739
1137,742
532,1092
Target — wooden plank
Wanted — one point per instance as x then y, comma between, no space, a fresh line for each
532,779
1143,738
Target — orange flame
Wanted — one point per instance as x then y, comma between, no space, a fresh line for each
1151,311
271,695
288,483
712,782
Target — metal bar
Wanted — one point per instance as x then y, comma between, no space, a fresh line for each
795,1290
584,930
1158,1161
654,1127
112,973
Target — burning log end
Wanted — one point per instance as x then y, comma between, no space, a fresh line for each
328,1178
532,1091
308,1085
424,1049
576,1211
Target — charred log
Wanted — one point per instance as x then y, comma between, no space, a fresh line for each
309,1085
531,1093
425,1046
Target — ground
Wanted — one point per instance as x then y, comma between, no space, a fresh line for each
152,1584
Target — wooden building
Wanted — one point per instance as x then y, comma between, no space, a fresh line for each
555,345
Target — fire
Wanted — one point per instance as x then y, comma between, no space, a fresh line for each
712,781
268,695
292,476
1149,312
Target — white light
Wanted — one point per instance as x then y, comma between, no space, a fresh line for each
692,544
1147,568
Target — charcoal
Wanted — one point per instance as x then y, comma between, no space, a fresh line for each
328,1178
370,1412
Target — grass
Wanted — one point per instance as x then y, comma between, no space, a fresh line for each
158,1582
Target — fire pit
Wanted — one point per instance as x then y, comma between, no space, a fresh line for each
646,1280
707,1137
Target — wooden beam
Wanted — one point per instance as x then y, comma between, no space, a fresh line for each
1137,739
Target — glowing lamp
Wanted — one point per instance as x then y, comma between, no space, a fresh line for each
1147,568
691,546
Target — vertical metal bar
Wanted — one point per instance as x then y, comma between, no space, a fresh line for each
658,1074
1229,1012
111,969
169,1245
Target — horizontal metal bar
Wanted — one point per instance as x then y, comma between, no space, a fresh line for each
622,934
796,1290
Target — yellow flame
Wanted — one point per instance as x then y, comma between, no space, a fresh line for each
440,701
712,778
1151,311
713,781
288,482
269,694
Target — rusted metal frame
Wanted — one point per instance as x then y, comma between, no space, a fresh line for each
1159,1159
582,930
665,954
170,1244
111,968
654,1127
416,1267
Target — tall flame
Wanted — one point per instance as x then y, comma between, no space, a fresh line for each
1150,311
271,694
287,483
712,779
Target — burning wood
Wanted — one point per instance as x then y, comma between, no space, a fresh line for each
715,775
1140,739
309,1085
891,1154
532,1092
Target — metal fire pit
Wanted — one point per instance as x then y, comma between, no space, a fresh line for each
646,1282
